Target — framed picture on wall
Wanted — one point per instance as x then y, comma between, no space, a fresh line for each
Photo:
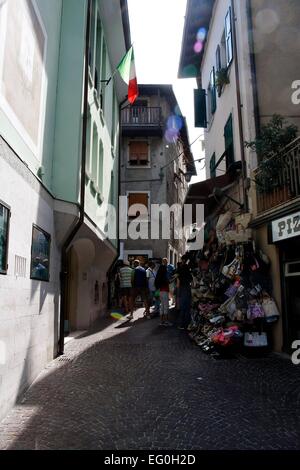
40,254
4,228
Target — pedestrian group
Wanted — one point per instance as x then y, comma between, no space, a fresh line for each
157,286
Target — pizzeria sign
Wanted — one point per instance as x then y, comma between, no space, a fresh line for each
286,227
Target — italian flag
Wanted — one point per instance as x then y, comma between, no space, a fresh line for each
127,71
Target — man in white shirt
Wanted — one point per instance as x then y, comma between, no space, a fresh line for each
151,274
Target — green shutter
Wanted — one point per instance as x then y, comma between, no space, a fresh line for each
212,165
213,91
218,59
228,136
200,108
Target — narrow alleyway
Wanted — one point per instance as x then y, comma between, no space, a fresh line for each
141,386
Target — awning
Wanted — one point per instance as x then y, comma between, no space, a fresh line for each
203,192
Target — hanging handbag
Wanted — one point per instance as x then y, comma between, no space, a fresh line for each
254,311
255,340
270,309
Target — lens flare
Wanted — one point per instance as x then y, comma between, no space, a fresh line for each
174,122
198,46
171,134
177,110
189,71
201,35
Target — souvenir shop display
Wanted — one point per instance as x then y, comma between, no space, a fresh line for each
232,305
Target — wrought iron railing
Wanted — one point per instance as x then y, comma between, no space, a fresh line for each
141,116
278,178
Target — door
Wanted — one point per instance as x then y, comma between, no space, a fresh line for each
290,255
292,281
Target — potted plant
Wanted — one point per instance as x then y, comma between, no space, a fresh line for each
273,138
222,79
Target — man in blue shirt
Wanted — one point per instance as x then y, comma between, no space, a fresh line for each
140,288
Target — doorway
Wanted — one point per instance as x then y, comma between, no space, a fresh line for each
291,284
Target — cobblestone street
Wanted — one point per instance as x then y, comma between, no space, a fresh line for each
142,386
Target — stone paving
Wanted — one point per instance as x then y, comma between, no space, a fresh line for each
142,386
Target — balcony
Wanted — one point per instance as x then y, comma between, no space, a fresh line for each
141,121
278,179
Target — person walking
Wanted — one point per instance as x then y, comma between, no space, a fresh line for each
162,283
184,280
140,288
151,275
171,272
125,279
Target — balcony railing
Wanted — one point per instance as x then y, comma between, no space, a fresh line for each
282,183
141,116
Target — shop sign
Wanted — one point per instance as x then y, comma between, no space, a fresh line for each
287,227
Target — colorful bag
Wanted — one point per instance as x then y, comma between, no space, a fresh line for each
255,340
255,311
270,309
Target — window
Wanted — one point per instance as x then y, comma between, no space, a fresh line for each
211,93
100,167
88,143
142,199
97,71
112,189
113,121
218,59
228,136
4,227
92,39
223,59
40,254
212,165
95,153
228,38
103,75
138,153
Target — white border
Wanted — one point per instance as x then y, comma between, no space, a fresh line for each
4,105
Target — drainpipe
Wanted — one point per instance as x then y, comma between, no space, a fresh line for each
253,67
64,259
239,106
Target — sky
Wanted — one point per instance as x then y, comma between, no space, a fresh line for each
156,33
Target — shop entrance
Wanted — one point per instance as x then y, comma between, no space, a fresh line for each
291,276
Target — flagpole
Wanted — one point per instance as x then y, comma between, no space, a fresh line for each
112,76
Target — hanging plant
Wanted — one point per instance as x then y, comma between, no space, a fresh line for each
274,137
222,78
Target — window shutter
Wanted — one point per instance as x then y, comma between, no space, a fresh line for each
218,59
137,198
213,91
228,135
212,165
200,108
228,37
138,152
